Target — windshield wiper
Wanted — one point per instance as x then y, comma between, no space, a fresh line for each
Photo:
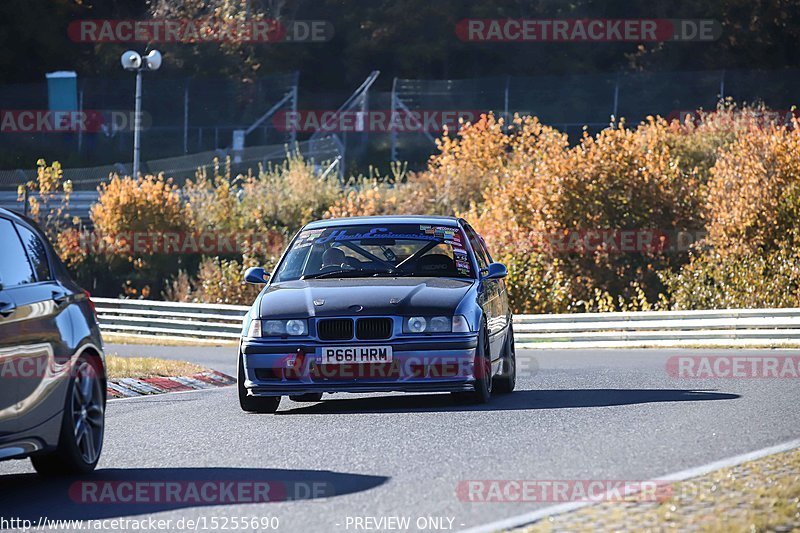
347,274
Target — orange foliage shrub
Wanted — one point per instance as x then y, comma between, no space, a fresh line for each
146,203
751,257
753,194
621,179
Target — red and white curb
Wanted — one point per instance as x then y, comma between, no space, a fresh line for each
129,387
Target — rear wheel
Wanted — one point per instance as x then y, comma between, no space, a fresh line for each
254,404
82,425
505,382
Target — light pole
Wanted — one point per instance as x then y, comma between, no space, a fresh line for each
133,61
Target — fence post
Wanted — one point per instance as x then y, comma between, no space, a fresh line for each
80,113
293,132
186,118
505,104
393,132
616,98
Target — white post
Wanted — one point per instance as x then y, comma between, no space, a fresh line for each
137,123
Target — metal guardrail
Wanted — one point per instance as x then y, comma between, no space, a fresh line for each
169,320
729,327
80,202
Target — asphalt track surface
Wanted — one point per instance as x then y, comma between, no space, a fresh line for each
576,415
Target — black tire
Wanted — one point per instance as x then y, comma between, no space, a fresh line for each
505,382
310,397
482,369
80,441
254,404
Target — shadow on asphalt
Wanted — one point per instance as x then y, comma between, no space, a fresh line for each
109,493
518,400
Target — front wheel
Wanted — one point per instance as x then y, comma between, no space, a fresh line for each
254,404
505,382
482,370
82,425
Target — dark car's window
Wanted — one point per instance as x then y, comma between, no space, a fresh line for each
403,250
14,266
37,253
477,247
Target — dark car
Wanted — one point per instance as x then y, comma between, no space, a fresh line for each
370,304
52,368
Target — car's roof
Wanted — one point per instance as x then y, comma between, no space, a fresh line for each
385,219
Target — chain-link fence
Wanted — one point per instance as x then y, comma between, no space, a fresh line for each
188,122
180,117
571,103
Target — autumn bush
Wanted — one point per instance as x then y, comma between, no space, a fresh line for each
279,197
751,255
143,205
216,281
622,179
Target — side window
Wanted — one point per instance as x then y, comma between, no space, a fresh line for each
14,266
477,247
37,253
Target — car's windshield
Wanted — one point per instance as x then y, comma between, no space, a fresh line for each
402,250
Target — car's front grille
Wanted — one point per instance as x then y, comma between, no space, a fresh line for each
335,329
373,328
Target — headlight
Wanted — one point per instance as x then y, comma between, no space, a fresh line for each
280,328
434,324
296,327
415,324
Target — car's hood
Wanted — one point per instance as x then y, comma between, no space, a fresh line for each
336,297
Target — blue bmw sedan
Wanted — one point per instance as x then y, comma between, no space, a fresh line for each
372,304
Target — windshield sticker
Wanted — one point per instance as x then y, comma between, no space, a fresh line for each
374,233
309,235
463,267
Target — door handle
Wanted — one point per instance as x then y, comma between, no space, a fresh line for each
6,308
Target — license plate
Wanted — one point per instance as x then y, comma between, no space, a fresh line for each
340,355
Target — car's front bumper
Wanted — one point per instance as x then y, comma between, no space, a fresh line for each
427,364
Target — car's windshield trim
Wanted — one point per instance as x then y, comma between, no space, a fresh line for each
399,270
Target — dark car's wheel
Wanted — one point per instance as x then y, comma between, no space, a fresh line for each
82,425
505,382
482,369
254,404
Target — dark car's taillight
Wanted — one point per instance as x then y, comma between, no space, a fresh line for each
91,303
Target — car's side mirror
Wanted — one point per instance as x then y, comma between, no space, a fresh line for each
496,271
256,275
